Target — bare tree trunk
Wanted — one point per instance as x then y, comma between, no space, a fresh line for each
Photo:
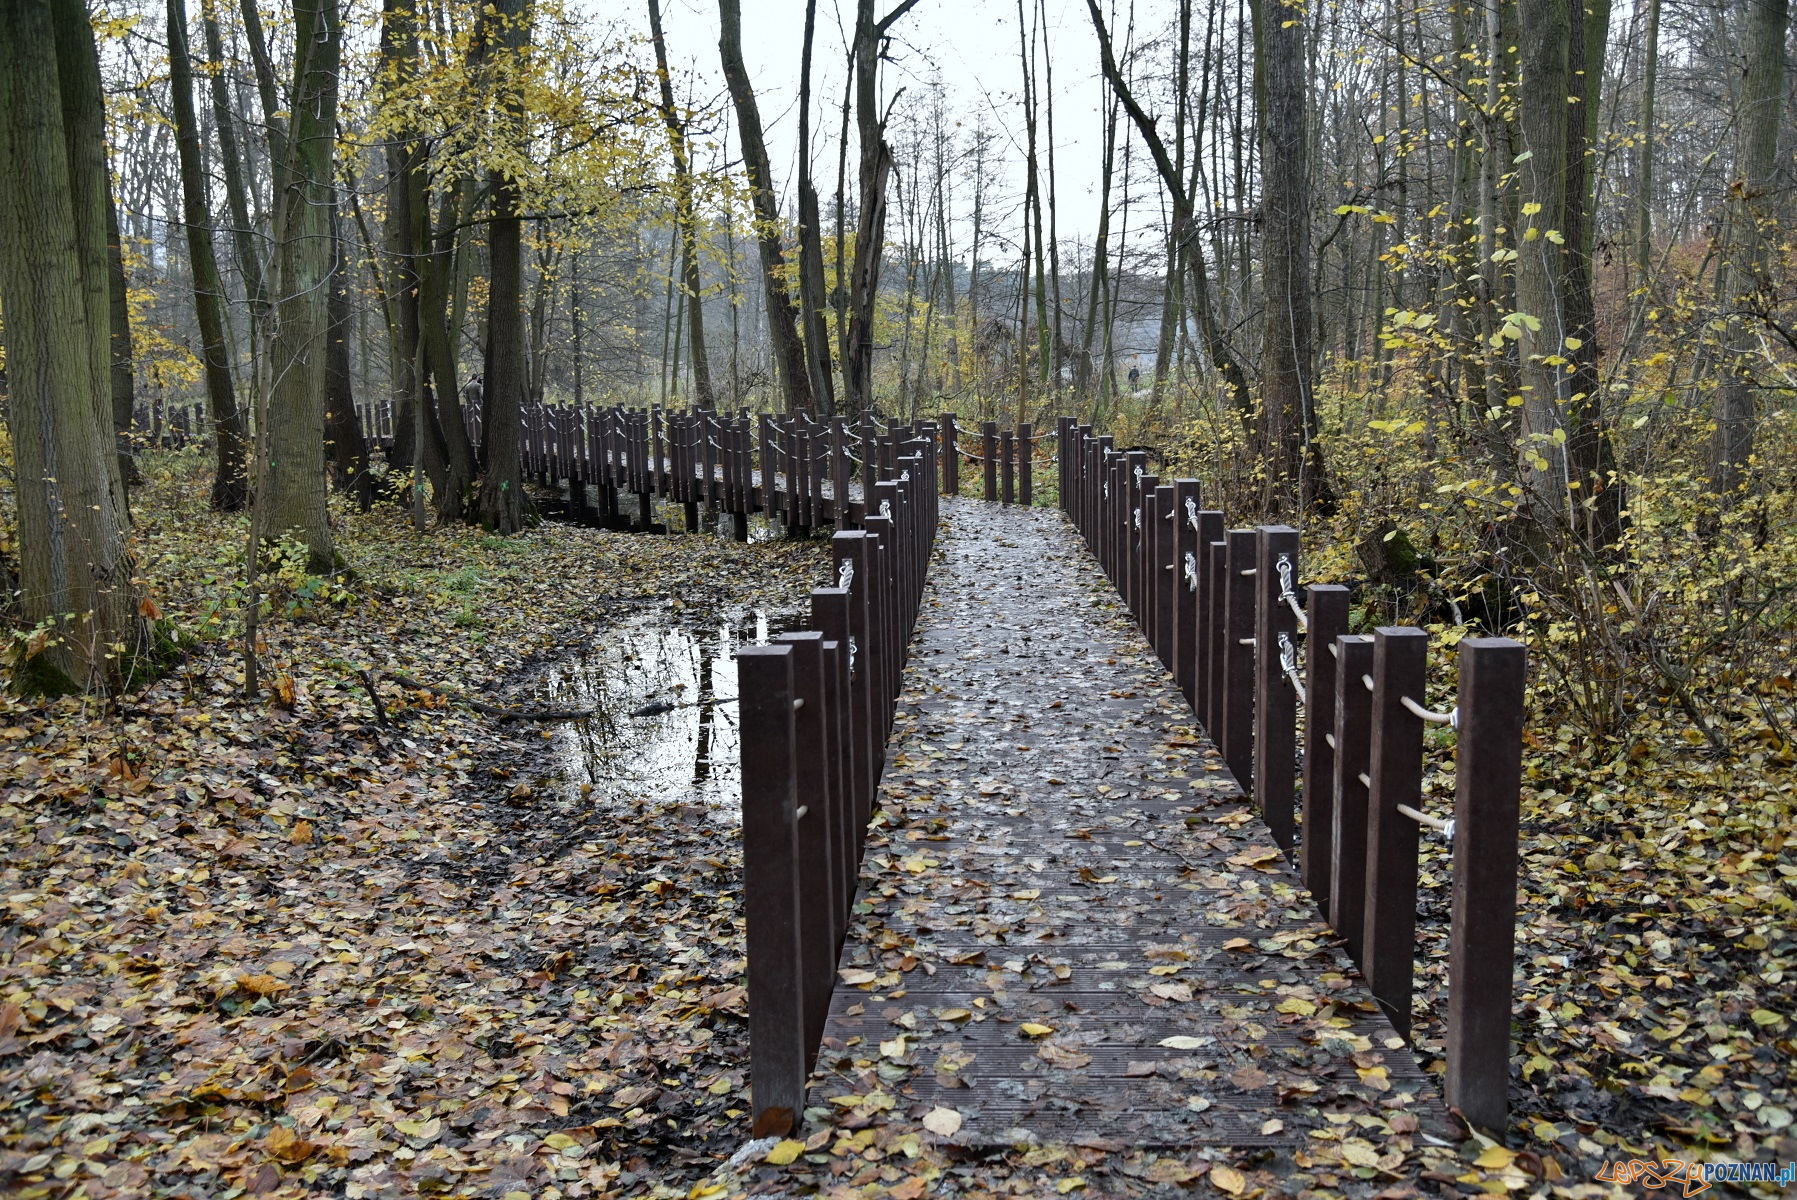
291,493
228,483
1294,463
74,566
1750,221
811,242
344,443
502,505
684,216
124,392
782,315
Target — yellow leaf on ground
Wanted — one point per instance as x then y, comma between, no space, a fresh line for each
261,985
1228,1179
784,1153
1494,1158
1032,1029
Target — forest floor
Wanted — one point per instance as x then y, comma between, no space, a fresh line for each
302,945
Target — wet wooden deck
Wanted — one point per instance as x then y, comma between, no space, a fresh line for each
1073,928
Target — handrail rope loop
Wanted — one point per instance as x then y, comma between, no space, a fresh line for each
1138,516
1444,828
1288,662
1288,595
886,509
846,575
1191,571
1192,513
1450,718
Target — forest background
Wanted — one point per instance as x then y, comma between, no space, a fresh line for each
1493,299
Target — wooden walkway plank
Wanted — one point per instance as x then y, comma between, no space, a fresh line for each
1072,928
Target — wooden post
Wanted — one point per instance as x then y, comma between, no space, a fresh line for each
816,844
849,550
989,450
1353,744
1276,699
1400,669
839,471
1238,657
1210,617
1186,496
1326,607
951,457
1026,456
1216,612
1007,447
778,1051
1164,580
1482,942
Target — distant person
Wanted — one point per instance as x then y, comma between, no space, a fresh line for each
471,395
1135,377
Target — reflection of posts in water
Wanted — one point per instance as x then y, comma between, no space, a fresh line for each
702,746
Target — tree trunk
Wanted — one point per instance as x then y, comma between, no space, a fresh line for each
124,392
684,216
1750,224
782,316
74,567
228,483
292,476
502,505
344,443
1294,458
811,242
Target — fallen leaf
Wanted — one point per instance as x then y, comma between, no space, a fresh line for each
943,1122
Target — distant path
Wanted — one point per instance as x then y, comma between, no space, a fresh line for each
1068,853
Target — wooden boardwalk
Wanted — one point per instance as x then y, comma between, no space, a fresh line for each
1072,927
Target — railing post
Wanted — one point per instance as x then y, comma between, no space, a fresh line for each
1165,578
1141,565
779,1058
1212,594
1400,669
849,549
1026,475
1326,611
1276,700
1207,632
815,864
1186,497
1353,745
1482,941
839,472
951,457
989,449
1238,657
1007,446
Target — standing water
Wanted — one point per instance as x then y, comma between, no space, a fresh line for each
665,729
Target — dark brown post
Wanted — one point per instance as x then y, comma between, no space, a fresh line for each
779,1053
1142,557
989,448
1007,446
815,863
1400,669
839,473
1026,455
1186,575
845,848
850,551
1482,942
1238,657
951,457
1353,744
1212,594
1166,583
1326,607
1276,697
658,479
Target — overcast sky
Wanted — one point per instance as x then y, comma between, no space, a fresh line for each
973,43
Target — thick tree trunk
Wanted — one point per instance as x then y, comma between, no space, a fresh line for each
344,443
1294,459
1750,220
811,242
684,216
75,571
502,505
229,489
124,392
292,476
782,316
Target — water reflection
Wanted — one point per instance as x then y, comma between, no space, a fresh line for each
666,730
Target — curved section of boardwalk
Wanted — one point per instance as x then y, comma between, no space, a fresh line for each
1072,927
